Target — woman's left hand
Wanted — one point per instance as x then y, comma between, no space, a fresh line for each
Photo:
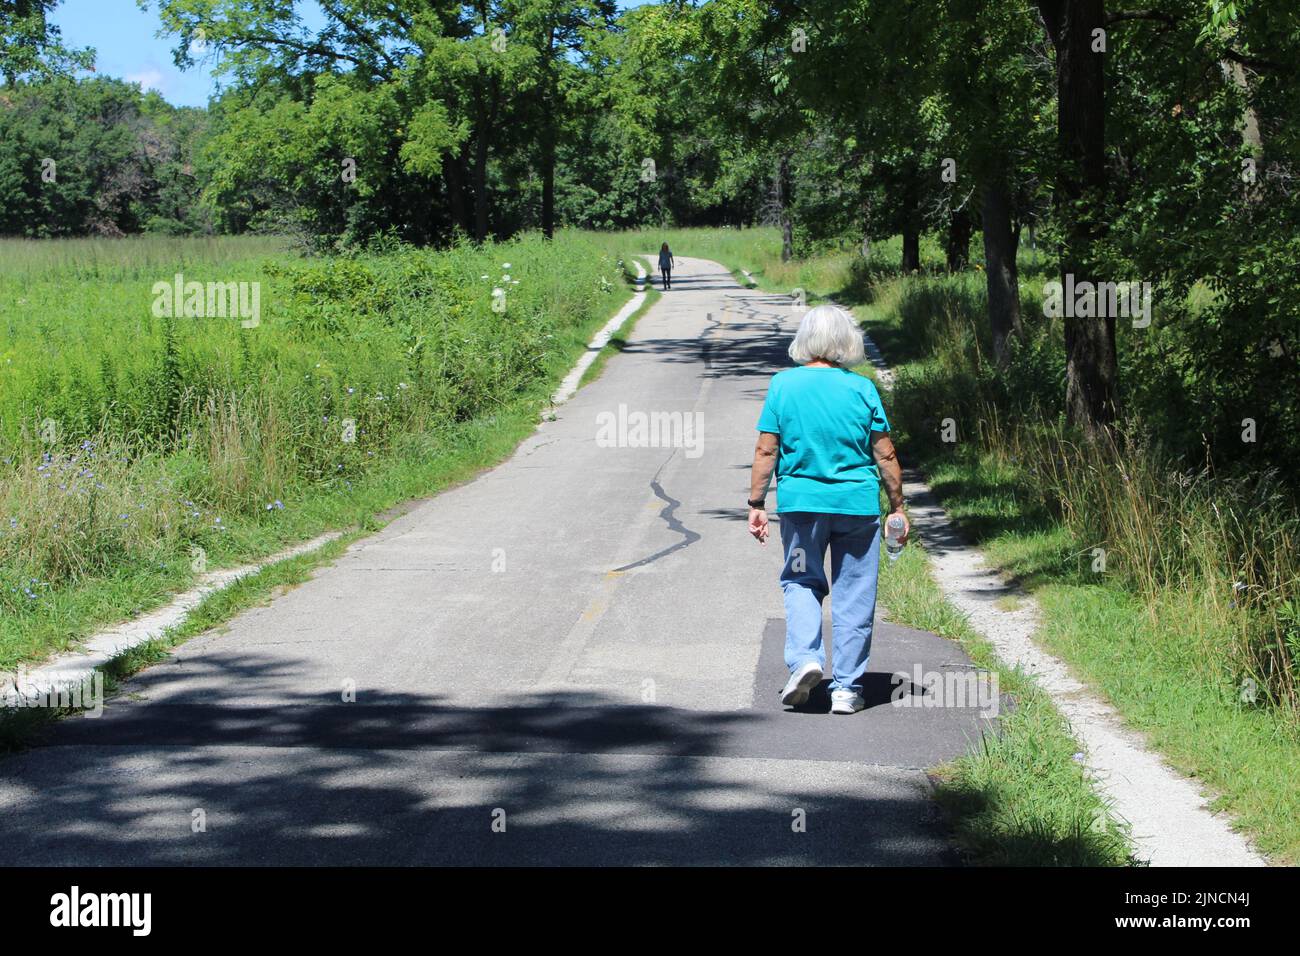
907,524
758,524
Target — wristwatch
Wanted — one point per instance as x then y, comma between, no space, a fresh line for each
760,503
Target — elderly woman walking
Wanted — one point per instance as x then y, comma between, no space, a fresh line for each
824,431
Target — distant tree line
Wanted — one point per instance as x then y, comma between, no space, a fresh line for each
98,157
1155,145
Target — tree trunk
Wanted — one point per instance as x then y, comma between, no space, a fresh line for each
1091,369
1000,243
866,226
960,227
783,191
548,183
550,133
454,176
911,246
480,187
911,225
1251,138
486,125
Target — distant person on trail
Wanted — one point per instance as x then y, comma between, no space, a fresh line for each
666,265
823,430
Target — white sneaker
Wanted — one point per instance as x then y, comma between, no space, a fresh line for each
847,702
801,682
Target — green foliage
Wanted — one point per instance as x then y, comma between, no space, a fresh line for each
95,156
1225,532
321,168
31,48
178,427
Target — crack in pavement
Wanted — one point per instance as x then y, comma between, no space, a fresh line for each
671,504
540,445
668,514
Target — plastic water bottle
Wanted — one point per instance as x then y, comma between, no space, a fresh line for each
894,536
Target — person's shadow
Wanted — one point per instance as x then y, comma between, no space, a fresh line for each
877,688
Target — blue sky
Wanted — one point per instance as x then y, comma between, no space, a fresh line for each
127,48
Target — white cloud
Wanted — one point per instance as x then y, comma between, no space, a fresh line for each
149,79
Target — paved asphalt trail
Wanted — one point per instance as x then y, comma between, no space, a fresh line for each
505,668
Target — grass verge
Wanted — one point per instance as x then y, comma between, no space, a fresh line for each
1145,654
20,727
618,341
1020,798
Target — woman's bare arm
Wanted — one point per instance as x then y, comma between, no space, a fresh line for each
760,476
891,473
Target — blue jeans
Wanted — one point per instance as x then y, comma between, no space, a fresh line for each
854,542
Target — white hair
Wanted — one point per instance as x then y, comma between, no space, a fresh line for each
830,334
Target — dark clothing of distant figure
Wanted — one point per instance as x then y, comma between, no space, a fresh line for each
666,267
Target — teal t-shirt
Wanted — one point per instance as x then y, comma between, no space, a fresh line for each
824,418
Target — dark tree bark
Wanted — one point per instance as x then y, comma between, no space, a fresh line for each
549,133
1080,194
1001,240
480,187
783,192
487,116
911,224
864,212
457,190
548,182
911,247
960,227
